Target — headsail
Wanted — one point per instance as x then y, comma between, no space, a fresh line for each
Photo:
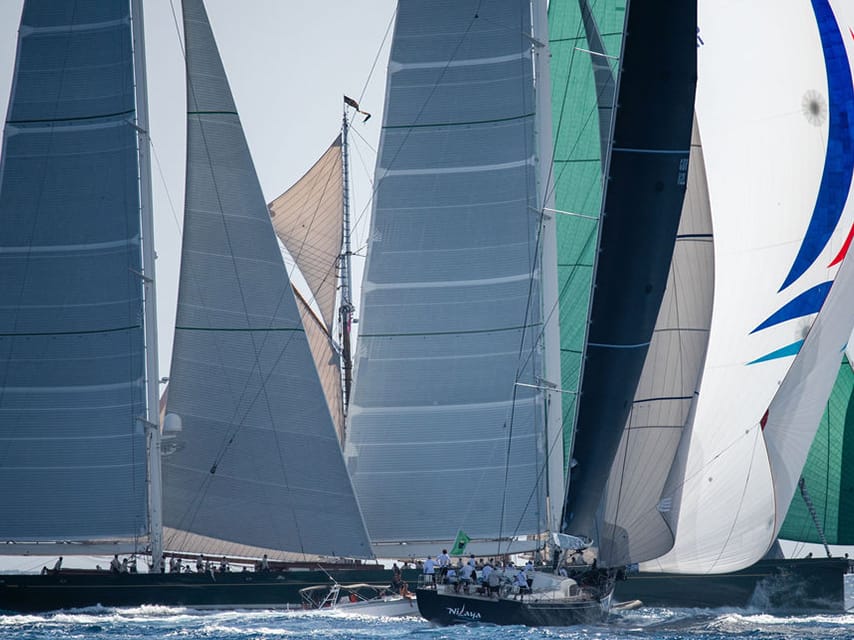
440,435
647,173
256,460
72,345
585,42
637,524
308,218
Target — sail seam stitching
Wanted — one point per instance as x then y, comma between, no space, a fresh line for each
68,333
72,119
240,329
447,333
458,124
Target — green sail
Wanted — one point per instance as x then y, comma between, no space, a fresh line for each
829,472
581,109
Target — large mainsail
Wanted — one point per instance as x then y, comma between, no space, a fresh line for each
779,177
253,457
647,173
72,341
445,427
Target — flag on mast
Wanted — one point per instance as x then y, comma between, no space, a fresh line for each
460,543
349,101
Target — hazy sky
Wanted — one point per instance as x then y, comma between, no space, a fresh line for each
288,63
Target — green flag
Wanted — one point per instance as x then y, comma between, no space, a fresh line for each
460,543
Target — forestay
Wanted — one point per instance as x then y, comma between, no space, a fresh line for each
72,347
255,459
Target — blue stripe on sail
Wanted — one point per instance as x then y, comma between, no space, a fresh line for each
788,350
808,302
839,160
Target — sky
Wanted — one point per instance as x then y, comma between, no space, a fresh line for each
288,63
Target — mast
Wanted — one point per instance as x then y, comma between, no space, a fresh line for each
550,343
152,416
345,310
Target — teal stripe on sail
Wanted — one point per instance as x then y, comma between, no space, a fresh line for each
579,121
829,472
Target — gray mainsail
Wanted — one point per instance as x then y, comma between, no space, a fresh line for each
446,426
72,335
253,457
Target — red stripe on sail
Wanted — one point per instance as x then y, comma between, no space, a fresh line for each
845,246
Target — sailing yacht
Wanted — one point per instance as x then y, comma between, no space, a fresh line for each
782,213
250,456
458,365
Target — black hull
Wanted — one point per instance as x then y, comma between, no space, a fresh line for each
238,590
784,585
447,609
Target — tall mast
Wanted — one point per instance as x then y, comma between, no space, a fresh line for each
345,310
152,417
551,329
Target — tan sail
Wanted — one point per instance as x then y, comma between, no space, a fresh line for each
307,218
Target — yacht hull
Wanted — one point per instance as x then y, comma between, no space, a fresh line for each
241,590
448,609
795,584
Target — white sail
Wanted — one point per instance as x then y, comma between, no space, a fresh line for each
445,426
72,345
778,157
256,460
307,218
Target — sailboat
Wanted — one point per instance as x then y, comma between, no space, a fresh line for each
458,365
769,369
251,461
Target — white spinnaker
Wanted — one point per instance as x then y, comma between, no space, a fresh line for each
762,105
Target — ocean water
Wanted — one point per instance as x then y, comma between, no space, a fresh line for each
148,623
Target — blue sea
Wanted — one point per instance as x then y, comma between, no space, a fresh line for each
148,623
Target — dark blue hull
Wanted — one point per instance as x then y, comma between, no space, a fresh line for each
447,609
